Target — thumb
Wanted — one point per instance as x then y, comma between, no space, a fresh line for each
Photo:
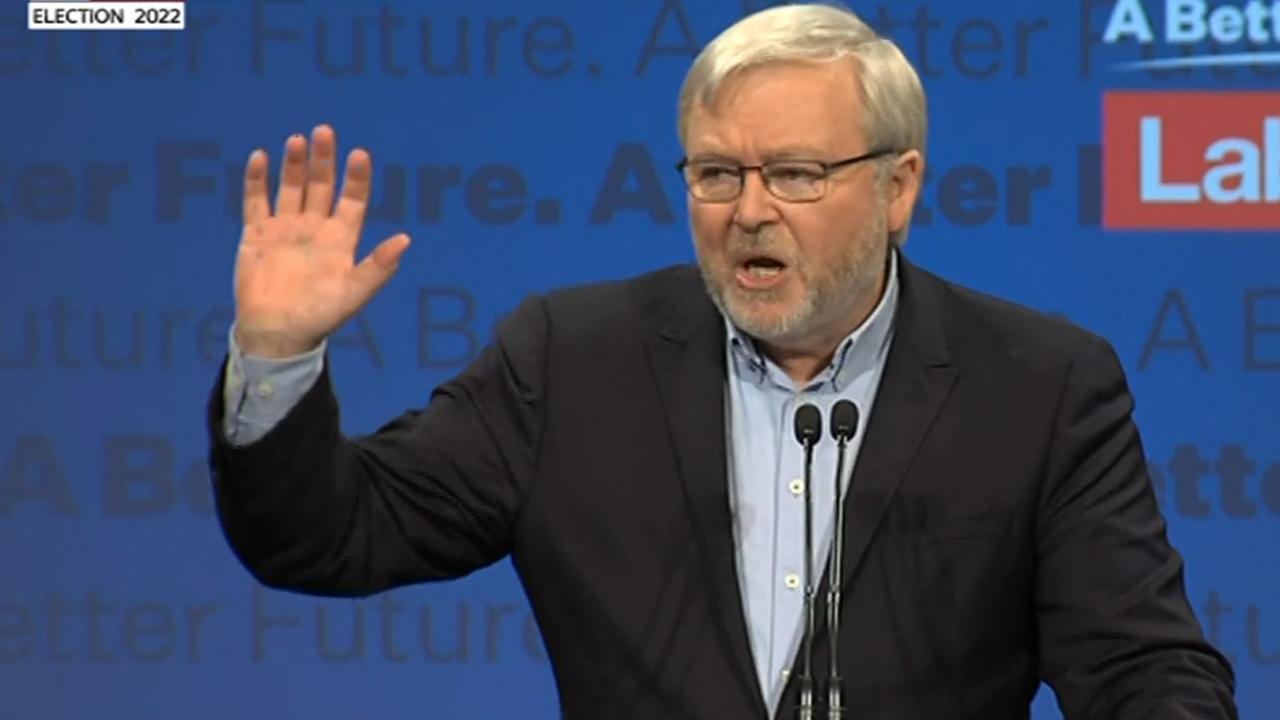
378,266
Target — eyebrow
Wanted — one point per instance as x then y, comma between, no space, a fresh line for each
787,152
794,152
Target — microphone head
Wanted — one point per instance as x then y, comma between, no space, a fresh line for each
844,420
808,424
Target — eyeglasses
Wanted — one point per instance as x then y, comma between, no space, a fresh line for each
717,181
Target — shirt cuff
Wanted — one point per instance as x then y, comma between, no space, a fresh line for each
259,392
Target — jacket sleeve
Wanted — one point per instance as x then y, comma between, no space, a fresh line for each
433,494
1117,636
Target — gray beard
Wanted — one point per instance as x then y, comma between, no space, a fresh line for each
829,298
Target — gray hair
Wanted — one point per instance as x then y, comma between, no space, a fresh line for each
889,87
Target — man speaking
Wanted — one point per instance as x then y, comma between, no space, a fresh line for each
803,478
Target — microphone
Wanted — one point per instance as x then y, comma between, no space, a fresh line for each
844,424
808,427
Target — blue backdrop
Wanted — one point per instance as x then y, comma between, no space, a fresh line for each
526,145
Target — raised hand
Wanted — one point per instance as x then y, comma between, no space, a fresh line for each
296,279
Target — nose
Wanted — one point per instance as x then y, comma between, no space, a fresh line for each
756,206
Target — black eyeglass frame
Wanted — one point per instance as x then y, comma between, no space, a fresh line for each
828,167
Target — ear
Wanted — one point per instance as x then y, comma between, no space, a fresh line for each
904,182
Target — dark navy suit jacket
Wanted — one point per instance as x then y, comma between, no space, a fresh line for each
1002,529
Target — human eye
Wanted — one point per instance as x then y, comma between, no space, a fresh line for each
796,172
716,172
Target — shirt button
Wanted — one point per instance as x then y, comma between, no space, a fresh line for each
265,390
792,581
796,486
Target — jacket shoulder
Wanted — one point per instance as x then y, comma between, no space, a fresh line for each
628,306
988,328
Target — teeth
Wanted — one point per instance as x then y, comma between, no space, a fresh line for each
763,272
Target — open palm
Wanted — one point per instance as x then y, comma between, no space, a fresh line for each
296,278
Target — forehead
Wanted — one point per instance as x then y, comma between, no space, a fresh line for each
779,108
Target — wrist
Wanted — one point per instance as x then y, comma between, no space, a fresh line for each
272,345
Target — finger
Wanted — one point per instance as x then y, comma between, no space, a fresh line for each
255,204
355,189
319,195
378,266
292,176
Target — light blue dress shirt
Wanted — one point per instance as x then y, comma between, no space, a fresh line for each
766,473
766,464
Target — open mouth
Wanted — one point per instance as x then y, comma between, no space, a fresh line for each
760,272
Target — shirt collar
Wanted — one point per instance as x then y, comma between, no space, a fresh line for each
859,350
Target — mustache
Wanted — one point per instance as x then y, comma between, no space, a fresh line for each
763,237
766,242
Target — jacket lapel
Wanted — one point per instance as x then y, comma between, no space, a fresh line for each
917,379
687,359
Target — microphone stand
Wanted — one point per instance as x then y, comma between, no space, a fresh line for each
844,424
808,427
